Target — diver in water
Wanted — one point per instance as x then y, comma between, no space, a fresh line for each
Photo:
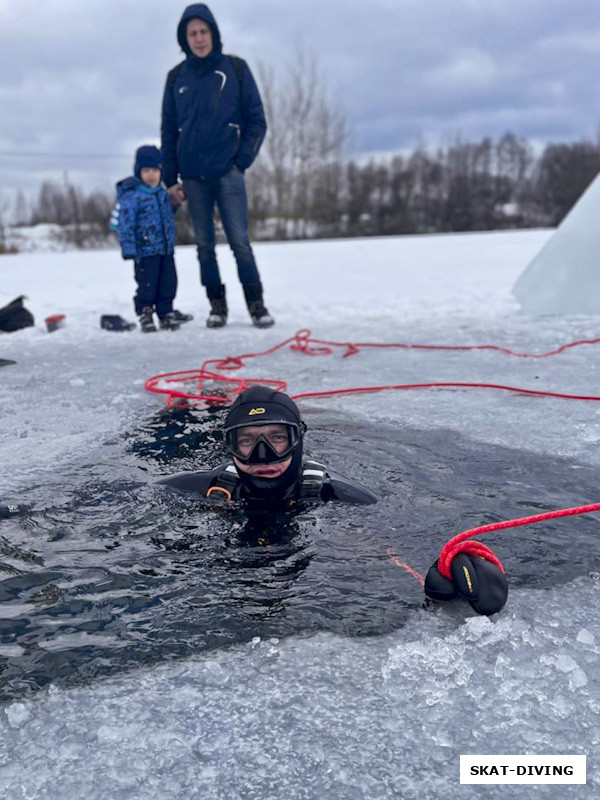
264,434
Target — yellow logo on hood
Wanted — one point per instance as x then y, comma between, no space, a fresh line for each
256,411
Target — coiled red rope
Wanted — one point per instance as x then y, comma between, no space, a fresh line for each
212,370
463,542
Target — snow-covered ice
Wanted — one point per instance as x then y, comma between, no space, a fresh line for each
313,716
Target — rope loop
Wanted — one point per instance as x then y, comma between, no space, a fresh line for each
229,362
461,542
303,341
476,549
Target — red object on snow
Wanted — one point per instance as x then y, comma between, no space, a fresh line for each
55,322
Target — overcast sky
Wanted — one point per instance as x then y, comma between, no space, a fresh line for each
81,81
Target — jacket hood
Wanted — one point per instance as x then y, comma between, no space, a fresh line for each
128,183
203,12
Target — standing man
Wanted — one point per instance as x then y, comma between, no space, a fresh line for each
213,125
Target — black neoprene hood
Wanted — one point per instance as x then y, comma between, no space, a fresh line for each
260,405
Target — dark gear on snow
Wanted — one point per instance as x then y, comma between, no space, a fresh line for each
114,322
15,316
475,579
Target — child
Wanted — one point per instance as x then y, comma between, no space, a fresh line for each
143,218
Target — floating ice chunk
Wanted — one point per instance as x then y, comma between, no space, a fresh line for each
476,627
110,733
577,678
585,637
17,714
503,668
565,663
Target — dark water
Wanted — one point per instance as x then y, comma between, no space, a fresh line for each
112,572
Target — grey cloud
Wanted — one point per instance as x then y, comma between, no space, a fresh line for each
87,78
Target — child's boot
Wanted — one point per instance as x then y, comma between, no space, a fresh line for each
181,317
147,320
169,322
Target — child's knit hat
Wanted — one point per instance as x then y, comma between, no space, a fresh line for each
147,156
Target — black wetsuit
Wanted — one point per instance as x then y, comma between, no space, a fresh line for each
314,482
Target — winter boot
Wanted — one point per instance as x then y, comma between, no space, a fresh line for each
254,300
218,306
181,317
168,322
146,320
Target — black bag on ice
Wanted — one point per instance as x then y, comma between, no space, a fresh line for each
114,322
15,316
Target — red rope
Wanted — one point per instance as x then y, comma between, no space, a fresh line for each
302,342
461,544
405,566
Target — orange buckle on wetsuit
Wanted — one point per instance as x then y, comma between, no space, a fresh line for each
225,491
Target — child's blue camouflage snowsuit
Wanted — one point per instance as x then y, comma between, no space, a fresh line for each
143,218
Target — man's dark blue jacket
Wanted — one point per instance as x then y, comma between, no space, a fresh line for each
211,119
144,220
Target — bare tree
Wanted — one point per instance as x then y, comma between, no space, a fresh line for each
306,133
22,213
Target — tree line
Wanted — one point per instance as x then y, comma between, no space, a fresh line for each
465,186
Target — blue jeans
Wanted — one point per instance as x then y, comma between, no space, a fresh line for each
156,279
229,194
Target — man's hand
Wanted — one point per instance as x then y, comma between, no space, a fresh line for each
176,194
479,581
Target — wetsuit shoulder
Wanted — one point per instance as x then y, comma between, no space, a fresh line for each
337,487
193,482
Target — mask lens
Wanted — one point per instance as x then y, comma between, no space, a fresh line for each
255,446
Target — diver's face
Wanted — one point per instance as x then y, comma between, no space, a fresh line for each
278,438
